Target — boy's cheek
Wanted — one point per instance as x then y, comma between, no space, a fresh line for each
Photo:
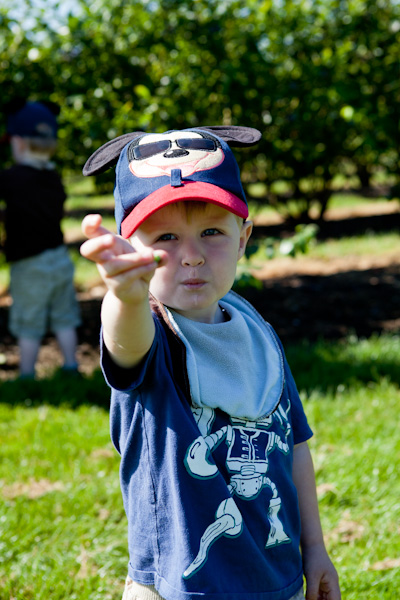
156,288
161,281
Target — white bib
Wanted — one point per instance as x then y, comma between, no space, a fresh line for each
236,365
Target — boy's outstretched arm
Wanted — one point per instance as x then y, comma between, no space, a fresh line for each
321,577
128,326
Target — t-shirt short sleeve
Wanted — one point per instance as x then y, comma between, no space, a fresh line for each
123,379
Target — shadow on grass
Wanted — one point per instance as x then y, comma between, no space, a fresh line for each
328,367
60,389
322,366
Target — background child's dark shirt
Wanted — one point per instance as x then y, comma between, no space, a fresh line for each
34,208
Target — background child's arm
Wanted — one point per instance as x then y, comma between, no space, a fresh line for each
321,577
128,326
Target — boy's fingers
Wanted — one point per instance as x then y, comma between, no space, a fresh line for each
134,262
127,277
92,227
99,248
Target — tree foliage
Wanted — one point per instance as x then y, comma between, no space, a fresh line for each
320,78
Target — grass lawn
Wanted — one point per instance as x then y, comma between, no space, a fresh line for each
356,448
62,525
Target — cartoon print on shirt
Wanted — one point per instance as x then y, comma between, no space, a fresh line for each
249,444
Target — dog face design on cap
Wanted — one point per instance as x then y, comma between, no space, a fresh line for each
154,155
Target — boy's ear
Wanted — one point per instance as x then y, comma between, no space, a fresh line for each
235,135
245,233
107,155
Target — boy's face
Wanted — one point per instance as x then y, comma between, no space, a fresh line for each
203,247
18,147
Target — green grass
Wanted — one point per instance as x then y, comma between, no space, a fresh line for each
334,367
350,390
62,525
86,273
89,203
337,200
371,242
355,451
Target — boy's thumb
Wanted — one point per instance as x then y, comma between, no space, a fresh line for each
312,591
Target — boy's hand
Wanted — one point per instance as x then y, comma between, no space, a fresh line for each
125,272
321,576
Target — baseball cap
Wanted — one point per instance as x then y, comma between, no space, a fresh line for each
34,119
157,169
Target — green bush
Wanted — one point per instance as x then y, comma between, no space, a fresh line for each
319,79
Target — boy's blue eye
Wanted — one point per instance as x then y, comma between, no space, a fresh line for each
166,237
211,231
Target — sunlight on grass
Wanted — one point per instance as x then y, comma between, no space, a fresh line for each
360,245
328,367
79,185
348,200
60,504
72,227
350,391
353,448
89,203
4,277
86,273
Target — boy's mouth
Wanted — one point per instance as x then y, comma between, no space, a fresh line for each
193,283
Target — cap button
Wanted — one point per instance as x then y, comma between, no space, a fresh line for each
176,178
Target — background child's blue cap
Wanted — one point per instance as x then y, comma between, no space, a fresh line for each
34,119
157,169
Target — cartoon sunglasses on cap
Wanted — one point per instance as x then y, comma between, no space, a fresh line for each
143,151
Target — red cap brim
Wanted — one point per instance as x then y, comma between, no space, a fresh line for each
189,190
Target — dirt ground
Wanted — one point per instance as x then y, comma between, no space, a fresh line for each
301,298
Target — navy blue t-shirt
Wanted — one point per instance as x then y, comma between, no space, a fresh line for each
211,505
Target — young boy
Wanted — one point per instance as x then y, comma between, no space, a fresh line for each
41,285
216,475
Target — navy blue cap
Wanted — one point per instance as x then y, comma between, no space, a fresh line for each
35,120
157,169
146,184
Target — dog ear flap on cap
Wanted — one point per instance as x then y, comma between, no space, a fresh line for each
234,135
107,155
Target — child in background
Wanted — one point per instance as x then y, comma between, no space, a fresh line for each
41,286
216,474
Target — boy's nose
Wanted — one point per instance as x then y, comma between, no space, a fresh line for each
192,256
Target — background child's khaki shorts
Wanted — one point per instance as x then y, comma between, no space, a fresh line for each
43,294
136,591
